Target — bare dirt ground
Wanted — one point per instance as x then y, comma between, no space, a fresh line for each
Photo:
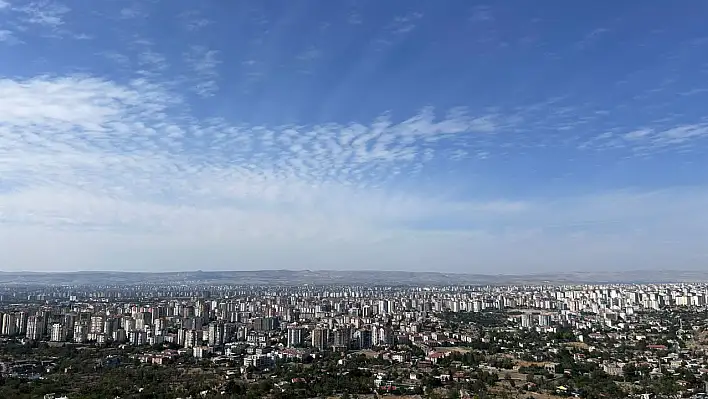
578,345
513,393
699,341
447,349
367,353
537,396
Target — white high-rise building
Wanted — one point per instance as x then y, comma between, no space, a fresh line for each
137,337
382,336
544,320
181,337
108,326
216,334
320,338
190,339
57,333
119,335
9,324
342,337
35,327
159,324
21,322
295,336
527,320
80,333
128,323
383,306
96,325
140,324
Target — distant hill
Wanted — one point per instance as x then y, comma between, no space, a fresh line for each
362,277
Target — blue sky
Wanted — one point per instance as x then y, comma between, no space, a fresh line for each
499,137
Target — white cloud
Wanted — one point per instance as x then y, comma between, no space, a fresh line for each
99,173
651,140
153,59
189,239
404,24
96,174
118,58
680,134
693,92
82,36
637,134
60,101
591,37
46,13
204,62
7,36
193,21
309,55
482,14
45,19
75,123
152,64
134,12
355,19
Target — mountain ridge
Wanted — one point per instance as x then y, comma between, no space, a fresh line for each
345,277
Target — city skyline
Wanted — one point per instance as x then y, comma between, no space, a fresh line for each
300,341
472,138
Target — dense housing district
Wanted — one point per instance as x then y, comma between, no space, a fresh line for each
229,341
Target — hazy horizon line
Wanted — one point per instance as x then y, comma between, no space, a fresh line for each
353,270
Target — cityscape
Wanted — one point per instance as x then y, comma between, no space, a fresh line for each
340,199
365,341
